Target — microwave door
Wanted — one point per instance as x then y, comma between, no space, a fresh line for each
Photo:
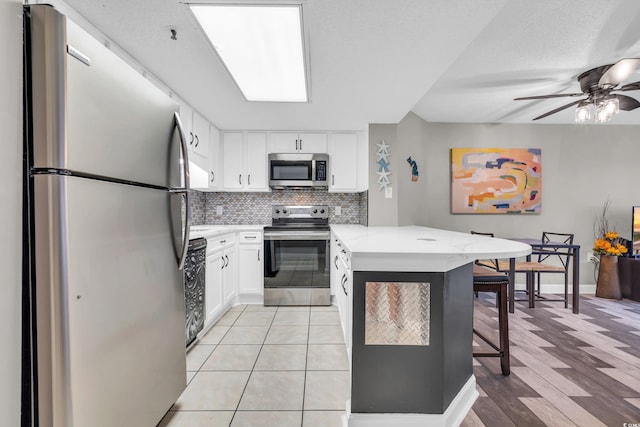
291,173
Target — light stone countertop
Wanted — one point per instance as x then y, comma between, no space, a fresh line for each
204,230
419,249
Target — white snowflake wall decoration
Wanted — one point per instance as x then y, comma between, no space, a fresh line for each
383,163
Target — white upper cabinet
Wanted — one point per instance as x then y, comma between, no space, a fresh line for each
343,164
215,178
233,161
295,142
200,141
244,161
256,158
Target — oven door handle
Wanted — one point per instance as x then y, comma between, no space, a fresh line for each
298,235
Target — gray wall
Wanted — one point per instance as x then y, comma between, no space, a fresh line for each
582,166
10,208
383,211
411,137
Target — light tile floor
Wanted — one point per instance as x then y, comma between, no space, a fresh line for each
266,366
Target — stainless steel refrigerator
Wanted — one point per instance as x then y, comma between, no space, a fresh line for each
105,235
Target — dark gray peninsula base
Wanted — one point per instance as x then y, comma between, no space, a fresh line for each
416,371
405,297
418,378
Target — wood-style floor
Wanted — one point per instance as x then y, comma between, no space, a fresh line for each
566,369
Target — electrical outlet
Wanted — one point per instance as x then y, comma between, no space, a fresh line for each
388,192
218,210
591,257
338,210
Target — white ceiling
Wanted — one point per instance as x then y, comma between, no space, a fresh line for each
373,61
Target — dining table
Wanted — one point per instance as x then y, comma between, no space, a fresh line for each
540,247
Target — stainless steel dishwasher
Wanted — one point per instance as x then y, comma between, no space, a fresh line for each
194,284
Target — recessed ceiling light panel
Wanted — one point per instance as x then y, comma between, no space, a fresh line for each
261,46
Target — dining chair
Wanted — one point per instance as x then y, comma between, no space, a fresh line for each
534,269
562,254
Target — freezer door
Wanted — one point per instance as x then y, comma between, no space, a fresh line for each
93,113
110,303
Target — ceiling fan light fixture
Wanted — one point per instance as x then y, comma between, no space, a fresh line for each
606,109
583,113
612,106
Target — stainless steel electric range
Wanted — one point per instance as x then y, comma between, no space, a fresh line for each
296,256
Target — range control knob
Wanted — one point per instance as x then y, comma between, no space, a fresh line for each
277,211
284,211
321,211
315,211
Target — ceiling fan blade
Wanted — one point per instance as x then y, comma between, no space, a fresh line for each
564,107
627,103
558,95
631,86
619,72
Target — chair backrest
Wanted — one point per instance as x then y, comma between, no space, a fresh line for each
493,262
561,253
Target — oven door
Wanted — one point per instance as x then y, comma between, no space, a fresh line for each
296,268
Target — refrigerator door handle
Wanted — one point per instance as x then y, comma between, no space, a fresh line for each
185,191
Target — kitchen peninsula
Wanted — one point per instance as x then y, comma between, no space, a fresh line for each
405,297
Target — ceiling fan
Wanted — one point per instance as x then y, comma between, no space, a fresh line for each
598,84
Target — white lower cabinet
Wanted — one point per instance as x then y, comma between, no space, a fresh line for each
213,286
250,260
229,276
234,272
220,283
342,283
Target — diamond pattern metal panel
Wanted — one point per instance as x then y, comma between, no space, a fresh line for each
397,313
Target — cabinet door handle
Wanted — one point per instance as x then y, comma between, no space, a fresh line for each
227,258
240,179
249,179
197,141
301,144
296,145
250,237
333,179
213,176
222,266
258,254
335,261
191,138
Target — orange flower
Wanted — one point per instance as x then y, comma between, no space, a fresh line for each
609,245
611,235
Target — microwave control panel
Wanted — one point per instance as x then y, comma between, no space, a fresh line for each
321,170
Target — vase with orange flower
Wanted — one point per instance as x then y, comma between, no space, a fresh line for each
609,248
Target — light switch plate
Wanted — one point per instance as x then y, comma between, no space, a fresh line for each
218,210
338,210
388,192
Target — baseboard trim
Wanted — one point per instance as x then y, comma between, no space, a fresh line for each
453,416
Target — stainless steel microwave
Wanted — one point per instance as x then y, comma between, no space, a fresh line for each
298,170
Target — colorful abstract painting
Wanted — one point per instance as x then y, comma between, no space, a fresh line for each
496,180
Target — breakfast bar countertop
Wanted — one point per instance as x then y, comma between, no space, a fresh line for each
414,248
